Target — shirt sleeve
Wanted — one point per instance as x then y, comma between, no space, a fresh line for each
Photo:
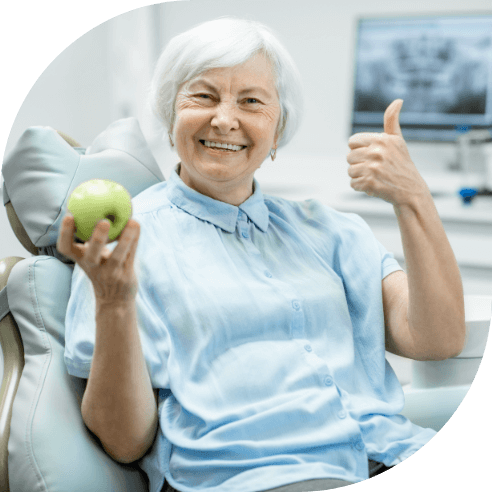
362,238
388,262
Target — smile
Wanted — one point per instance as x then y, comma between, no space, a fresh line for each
222,146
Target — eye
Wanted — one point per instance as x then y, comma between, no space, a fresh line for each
252,100
204,98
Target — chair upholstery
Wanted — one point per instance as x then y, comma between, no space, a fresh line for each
49,447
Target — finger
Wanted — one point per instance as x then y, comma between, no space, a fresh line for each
392,118
97,242
133,249
360,184
362,139
125,242
357,156
356,170
65,243
65,236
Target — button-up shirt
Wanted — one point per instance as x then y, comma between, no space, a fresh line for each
262,325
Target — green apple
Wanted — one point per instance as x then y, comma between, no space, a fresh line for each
98,199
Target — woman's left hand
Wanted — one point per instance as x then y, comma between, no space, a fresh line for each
380,164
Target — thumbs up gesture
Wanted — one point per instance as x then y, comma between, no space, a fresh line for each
381,166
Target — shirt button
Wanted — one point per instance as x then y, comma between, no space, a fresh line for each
308,348
359,445
245,234
296,305
342,414
328,381
268,274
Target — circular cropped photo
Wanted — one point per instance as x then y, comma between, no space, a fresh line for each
237,256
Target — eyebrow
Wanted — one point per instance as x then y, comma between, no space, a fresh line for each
249,90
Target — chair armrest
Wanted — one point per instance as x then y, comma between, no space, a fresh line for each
13,357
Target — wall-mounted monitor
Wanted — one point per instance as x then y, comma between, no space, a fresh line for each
441,66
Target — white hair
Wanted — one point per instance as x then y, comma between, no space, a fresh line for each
220,43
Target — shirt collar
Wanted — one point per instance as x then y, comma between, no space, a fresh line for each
221,214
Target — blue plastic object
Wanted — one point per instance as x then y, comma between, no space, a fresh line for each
461,129
467,195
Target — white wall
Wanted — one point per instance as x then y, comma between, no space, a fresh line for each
74,93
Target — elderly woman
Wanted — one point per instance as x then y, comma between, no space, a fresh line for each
241,345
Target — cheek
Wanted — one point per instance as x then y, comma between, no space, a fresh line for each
261,136
187,125
272,118
264,132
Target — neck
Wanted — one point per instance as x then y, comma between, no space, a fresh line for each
232,193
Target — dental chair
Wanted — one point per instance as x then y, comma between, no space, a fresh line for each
44,444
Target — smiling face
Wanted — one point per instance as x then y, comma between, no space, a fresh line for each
237,106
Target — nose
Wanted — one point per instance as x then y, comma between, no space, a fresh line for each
225,118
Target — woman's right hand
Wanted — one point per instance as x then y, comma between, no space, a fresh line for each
112,273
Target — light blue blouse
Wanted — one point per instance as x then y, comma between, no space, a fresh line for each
263,327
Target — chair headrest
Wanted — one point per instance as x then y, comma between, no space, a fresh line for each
43,169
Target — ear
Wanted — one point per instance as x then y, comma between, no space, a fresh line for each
275,140
279,132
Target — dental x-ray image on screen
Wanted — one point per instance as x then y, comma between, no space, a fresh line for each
440,66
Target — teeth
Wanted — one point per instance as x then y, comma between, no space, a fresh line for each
235,148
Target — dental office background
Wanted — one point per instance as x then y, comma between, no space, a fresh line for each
77,68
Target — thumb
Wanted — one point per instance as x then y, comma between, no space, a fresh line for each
392,117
